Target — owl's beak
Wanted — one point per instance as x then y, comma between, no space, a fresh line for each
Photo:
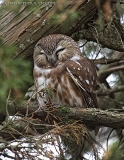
53,62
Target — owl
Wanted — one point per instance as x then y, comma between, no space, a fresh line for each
60,66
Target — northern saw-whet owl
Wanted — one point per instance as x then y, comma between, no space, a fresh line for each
59,64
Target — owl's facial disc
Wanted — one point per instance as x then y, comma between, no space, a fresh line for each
54,57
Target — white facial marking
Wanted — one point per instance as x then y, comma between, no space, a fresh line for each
42,51
59,47
79,69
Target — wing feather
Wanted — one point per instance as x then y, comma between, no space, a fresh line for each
83,73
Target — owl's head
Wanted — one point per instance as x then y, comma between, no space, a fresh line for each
52,50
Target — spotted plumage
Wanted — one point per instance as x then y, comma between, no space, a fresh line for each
59,65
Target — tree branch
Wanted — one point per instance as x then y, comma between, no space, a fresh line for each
115,43
105,60
103,74
38,122
110,118
110,91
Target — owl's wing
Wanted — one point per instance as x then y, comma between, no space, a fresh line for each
84,75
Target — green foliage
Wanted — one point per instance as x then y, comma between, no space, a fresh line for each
68,17
62,158
14,74
114,153
58,17
49,91
63,110
69,140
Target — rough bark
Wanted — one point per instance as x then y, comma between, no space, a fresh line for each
113,118
26,27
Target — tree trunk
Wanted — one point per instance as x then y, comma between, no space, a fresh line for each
77,19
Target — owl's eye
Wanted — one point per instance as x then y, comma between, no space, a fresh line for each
39,45
59,49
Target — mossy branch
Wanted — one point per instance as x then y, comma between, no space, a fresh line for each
109,118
